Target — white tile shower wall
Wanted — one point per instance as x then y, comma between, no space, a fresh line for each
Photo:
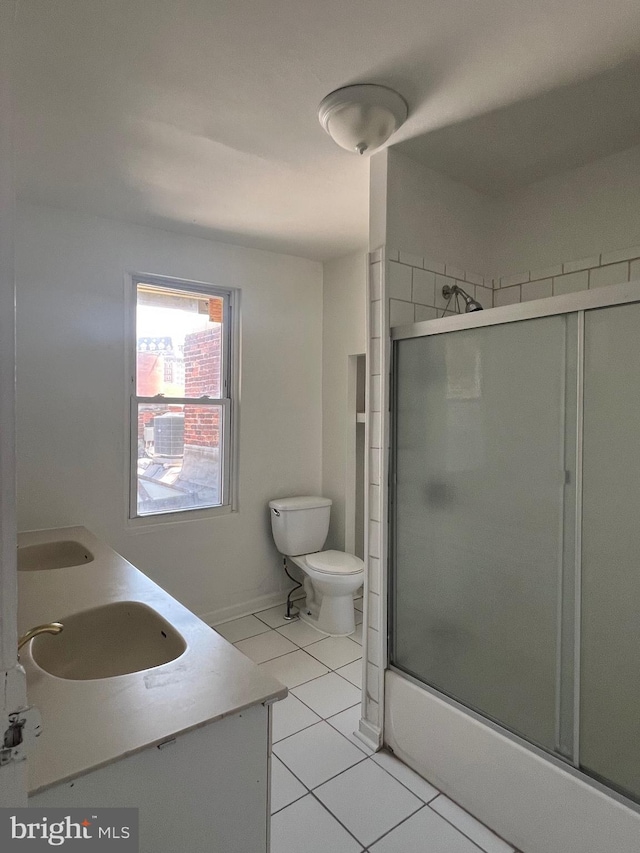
382,284
569,277
418,281
414,287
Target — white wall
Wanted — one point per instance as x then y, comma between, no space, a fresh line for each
575,214
378,182
8,582
343,334
72,439
429,214
13,776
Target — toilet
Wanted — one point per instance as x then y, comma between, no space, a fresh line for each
300,527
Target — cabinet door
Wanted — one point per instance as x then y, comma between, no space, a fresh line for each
205,791
610,661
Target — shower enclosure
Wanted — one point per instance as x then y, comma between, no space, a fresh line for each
515,523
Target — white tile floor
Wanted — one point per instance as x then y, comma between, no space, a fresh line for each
330,792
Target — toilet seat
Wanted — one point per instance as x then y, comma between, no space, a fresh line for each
335,563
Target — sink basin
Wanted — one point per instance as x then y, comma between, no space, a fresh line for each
53,555
106,641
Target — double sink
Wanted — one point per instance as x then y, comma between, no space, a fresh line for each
101,642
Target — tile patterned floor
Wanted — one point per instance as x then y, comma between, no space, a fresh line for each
330,792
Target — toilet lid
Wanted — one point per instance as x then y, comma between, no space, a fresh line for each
335,563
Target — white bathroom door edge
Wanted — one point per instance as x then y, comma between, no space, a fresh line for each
13,775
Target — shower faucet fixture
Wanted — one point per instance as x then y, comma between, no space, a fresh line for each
449,291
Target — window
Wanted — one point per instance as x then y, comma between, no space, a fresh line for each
182,403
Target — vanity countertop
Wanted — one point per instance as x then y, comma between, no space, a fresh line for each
88,724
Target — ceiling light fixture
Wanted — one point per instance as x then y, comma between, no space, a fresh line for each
362,117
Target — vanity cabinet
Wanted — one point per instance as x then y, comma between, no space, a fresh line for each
183,737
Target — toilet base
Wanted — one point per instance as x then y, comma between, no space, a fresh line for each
335,617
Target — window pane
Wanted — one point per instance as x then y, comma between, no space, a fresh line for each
179,343
179,462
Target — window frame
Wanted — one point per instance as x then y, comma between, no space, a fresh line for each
228,403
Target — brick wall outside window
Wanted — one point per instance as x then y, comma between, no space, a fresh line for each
201,361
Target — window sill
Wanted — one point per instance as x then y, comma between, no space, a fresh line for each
170,518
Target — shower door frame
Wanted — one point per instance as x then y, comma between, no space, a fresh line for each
575,303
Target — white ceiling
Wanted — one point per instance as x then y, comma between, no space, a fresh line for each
200,115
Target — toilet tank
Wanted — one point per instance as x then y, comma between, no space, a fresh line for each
300,525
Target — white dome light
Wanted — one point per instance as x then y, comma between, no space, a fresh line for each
362,117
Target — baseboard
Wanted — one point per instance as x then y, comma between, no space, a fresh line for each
235,611
369,734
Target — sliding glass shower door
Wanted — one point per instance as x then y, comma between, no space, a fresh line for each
484,496
515,523
610,634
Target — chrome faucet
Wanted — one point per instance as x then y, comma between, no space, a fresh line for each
51,628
